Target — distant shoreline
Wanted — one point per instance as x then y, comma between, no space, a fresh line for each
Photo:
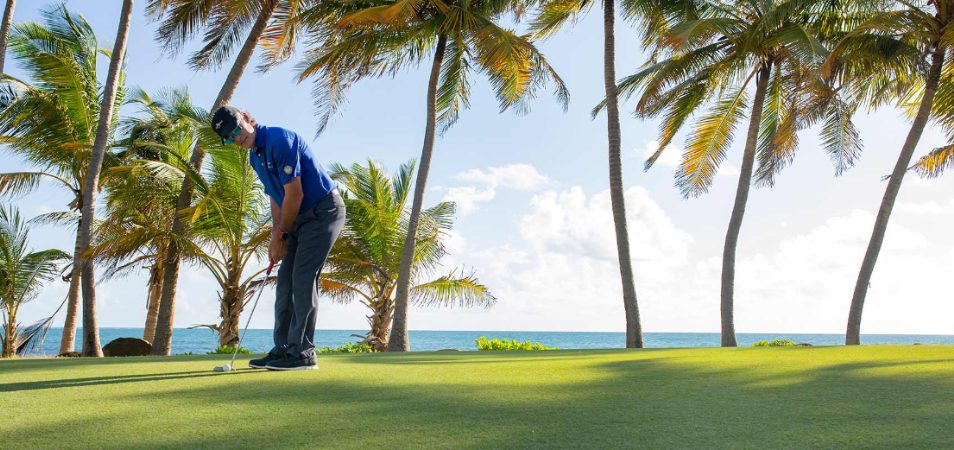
200,341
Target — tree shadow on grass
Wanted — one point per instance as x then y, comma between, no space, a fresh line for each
107,380
63,364
626,400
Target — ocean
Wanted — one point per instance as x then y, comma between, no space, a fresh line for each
200,341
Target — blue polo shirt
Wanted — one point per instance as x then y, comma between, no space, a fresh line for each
279,156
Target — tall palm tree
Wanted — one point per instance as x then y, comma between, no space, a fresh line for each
5,30
553,15
51,121
140,198
104,133
365,262
899,52
713,58
385,36
271,23
22,273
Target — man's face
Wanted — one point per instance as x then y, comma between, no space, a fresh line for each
246,136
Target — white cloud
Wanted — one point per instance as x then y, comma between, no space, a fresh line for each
467,197
520,177
926,208
523,177
727,169
569,277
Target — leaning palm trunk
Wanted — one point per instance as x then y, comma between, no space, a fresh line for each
68,341
634,332
155,295
738,210
163,341
853,334
90,328
5,30
399,341
230,308
380,322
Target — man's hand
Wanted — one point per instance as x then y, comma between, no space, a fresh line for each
277,249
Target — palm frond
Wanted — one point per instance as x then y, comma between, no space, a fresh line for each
455,288
708,143
933,164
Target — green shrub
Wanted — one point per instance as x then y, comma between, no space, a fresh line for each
349,347
775,343
228,350
509,344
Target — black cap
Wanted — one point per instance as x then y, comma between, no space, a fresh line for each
225,120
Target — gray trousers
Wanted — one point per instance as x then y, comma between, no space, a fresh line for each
296,298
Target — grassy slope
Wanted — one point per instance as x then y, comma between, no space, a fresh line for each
899,396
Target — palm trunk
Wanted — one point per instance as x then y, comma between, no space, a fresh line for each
230,309
10,336
155,295
853,334
634,332
380,322
163,341
5,31
738,210
90,328
398,341
68,341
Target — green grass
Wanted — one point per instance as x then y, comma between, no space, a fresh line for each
834,397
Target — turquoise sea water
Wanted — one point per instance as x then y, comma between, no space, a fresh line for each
202,341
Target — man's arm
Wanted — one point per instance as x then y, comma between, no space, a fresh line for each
276,218
291,204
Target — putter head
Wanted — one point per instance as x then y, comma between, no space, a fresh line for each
225,368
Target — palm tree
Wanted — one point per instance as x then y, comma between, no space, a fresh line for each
227,223
91,345
553,15
51,122
271,23
365,262
141,198
21,276
232,226
712,58
5,30
386,36
887,55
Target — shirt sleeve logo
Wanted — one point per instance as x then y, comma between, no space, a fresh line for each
288,170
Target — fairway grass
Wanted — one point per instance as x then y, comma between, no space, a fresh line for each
831,397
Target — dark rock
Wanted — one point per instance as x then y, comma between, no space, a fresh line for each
127,347
69,355
803,344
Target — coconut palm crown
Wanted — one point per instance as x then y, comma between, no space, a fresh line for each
365,261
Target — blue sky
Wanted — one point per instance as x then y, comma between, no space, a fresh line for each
534,220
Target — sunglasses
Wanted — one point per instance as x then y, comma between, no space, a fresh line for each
237,131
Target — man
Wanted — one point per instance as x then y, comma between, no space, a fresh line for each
307,216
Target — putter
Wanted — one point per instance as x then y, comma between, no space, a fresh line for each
228,367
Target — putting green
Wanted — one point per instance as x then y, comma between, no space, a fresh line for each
874,396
